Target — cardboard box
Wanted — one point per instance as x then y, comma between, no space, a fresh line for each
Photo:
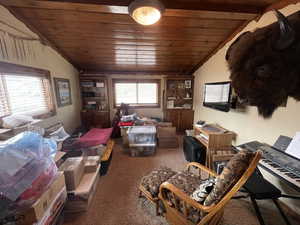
166,132
55,209
168,142
73,169
38,209
91,164
59,158
164,124
80,199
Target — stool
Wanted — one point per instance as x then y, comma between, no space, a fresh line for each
149,186
259,188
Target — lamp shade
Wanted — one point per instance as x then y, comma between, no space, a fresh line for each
146,12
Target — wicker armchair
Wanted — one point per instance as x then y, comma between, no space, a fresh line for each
179,206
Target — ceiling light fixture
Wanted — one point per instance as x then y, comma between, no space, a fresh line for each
146,12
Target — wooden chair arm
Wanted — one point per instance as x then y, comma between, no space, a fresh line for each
166,186
201,167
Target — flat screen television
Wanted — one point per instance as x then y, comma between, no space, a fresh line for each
217,95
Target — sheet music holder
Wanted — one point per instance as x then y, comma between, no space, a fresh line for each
282,143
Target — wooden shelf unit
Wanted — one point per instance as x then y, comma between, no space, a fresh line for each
179,91
217,140
95,102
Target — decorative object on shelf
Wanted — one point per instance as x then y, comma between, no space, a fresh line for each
259,75
170,104
188,83
100,84
187,106
87,84
146,12
63,92
181,85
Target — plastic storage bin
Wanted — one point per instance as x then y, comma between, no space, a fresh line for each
142,136
142,151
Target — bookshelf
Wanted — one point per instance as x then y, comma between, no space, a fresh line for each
95,104
178,102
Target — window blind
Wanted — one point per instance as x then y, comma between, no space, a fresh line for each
24,94
136,93
4,107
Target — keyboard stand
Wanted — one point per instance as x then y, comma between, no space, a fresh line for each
258,188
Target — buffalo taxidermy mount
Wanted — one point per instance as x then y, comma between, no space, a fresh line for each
265,64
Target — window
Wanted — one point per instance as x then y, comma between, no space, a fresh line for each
26,91
138,93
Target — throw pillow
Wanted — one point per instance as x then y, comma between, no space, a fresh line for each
229,176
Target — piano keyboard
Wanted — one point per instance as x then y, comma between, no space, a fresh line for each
289,174
292,179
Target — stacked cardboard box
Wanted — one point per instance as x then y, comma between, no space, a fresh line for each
80,199
81,176
167,137
48,207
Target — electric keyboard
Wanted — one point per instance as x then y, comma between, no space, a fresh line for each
277,162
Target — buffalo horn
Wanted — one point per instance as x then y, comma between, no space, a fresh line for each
287,34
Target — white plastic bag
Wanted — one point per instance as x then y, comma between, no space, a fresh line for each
26,170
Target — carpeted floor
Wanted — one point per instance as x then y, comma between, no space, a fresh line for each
117,203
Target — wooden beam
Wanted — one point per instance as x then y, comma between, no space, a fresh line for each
43,39
96,8
278,5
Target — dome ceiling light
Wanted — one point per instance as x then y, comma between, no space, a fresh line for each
146,12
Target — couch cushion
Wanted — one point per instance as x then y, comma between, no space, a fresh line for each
229,176
152,181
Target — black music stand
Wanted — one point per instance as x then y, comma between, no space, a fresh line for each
259,188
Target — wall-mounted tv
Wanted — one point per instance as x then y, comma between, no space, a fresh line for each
217,95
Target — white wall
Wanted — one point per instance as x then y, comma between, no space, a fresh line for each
248,125
45,57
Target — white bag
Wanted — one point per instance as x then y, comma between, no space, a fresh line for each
14,121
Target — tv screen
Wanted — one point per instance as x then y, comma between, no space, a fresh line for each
217,95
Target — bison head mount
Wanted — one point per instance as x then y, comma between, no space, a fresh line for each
265,64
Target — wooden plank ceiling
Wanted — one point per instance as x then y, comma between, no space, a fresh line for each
96,36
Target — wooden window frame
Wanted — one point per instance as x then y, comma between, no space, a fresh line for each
157,81
31,71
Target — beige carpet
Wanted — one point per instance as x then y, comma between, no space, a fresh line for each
117,203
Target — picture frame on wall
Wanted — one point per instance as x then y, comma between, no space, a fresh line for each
63,92
188,84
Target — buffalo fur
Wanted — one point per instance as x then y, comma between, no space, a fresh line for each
260,74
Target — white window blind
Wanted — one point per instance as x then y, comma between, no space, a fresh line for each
23,94
136,93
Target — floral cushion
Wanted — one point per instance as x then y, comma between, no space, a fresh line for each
152,181
229,176
186,181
